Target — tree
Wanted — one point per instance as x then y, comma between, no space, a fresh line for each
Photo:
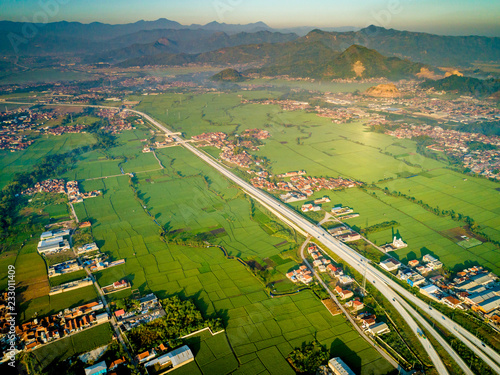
309,357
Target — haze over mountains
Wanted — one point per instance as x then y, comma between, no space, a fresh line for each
76,37
318,54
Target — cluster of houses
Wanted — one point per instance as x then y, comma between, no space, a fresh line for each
303,186
286,105
242,159
98,261
315,205
474,287
219,140
41,331
14,125
369,323
116,119
341,115
60,187
69,128
256,133
149,309
54,241
87,248
344,233
302,274
48,186
74,194
14,142
102,368
456,143
4,314
64,268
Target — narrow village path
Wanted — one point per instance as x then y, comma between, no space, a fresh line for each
345,312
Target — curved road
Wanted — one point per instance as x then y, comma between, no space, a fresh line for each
384,284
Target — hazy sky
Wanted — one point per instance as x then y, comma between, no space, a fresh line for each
462,17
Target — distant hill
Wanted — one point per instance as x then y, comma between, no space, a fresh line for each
297,59
183,41
465,86
355,62
228,75
427,48
75,37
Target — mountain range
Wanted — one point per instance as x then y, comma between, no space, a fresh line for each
289,49
147,38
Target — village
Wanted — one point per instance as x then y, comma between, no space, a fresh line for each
344,286
472,288
56,186
484,161
232,151
19,128
300,187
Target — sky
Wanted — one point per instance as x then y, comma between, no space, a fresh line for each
457,17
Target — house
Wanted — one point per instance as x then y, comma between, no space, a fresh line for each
357,305
379,329
415,280
331,269
430,291
119,313
346,280
351,236
116,363
170,361
98,368
148,301
339,367
428,258
101,318
145,356
451,302
368,322
344,294
390,264
413,263
325,199
120,284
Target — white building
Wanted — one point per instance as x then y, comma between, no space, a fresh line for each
339,367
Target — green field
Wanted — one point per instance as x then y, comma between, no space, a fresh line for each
75,344
178,198
474,197
21,161
43,75
350,150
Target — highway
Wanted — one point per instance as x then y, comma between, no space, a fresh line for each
346,253
383,283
